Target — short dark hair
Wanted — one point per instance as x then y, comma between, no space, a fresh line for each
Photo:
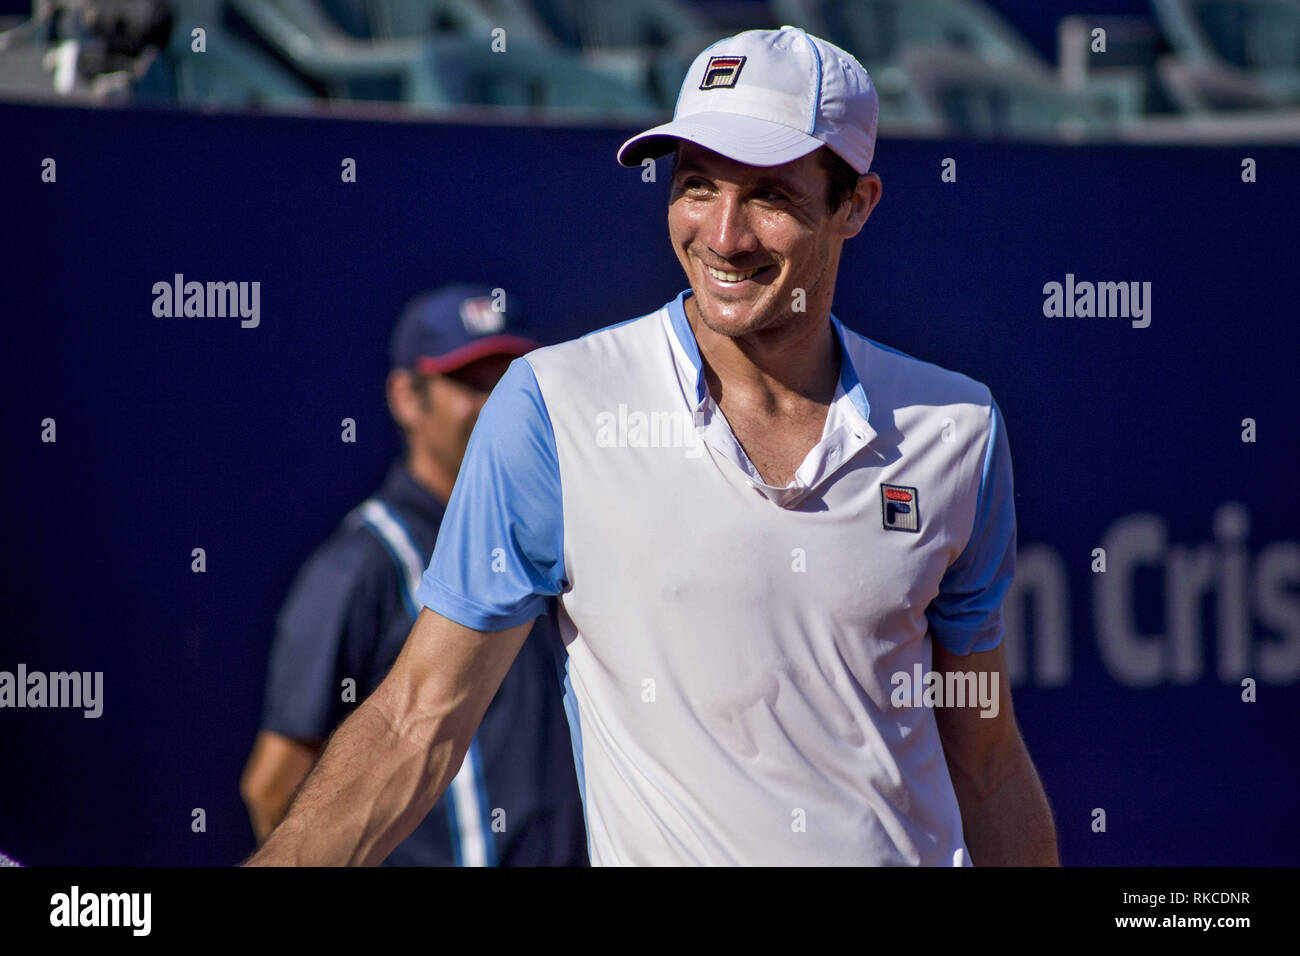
841,178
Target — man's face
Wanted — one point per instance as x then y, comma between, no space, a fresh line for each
748,237
443,413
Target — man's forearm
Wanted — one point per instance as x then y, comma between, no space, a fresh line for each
345,817
1007,819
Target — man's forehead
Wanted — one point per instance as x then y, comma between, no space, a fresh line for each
691,157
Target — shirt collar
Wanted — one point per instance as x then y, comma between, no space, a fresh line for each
691,370
847,430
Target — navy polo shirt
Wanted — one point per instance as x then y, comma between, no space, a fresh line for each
515,801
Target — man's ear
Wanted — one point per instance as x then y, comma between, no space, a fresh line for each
864,199
403,402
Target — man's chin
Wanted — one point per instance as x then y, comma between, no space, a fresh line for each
733,317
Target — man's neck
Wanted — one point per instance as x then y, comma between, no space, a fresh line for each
431,476
774,369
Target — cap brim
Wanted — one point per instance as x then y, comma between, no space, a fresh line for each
515,345
746,139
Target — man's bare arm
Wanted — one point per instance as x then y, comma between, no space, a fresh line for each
387,764
1004,810
277,765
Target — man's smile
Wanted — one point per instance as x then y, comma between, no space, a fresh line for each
734,276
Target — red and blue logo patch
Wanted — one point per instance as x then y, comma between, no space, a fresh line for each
722,72
899,510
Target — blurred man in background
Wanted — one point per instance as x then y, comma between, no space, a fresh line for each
515,800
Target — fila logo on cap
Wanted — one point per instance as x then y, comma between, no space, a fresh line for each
479,318
801,94
722,72
898,506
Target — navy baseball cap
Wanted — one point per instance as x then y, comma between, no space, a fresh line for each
441,331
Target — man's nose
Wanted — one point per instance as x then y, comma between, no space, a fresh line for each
729,234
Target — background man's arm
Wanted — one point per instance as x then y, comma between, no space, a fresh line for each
389,762
1004,810
277,765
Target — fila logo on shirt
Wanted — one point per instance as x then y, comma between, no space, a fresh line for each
899,510
722,72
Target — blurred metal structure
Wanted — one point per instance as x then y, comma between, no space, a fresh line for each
474,65
879,32
1000,100
940,66
1113,55
1232,53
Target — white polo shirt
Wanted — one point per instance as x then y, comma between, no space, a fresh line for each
731,644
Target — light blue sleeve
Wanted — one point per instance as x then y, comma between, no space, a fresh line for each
500,550
966,615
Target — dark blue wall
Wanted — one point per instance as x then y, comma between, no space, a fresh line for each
182,433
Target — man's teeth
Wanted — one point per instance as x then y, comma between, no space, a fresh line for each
731,276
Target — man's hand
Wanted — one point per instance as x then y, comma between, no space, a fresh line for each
1004,811
387,764
275,768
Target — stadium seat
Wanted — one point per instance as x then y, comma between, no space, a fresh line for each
420,18
1242,52
1206,87
1127,67
625,24
992,99
878,32
468,72
315,46
230,74
648,43
442,69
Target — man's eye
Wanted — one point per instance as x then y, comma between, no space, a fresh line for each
771,195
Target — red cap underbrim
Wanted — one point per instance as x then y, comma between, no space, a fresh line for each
515,345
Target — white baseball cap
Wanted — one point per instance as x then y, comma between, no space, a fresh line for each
767,97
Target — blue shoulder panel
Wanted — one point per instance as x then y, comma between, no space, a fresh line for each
500,552
966,616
